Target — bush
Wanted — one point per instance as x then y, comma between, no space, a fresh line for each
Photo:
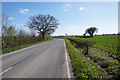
84,45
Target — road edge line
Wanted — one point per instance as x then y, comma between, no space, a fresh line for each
68,68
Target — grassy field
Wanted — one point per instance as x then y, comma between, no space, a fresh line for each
101,41
96,58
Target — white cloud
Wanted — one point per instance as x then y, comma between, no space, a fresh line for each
10,18
81,8
24,11
68,5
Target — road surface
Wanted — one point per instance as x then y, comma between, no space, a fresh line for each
46,60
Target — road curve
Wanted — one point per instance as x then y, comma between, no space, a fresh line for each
46,60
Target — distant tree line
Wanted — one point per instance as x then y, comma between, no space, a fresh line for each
112,34
45,25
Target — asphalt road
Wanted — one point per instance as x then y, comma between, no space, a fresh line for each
46,60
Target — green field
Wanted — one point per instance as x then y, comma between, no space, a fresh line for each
97,58
101,41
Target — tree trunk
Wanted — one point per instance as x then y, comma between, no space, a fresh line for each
43,36
91,35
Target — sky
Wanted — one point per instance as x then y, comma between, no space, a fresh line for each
74,17
60,0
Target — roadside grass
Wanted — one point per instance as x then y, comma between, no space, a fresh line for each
22,46
82,67
100,58
101,41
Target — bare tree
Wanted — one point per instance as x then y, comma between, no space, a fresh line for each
44,24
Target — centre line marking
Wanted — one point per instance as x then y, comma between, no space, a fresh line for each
6,70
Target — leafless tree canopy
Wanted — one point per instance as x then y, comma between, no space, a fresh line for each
44,24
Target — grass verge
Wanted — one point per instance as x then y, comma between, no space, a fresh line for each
100,58
21,46
82,67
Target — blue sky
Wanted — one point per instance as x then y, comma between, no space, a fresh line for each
74,17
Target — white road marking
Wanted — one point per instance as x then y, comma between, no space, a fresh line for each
15,52
68,70
6,70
